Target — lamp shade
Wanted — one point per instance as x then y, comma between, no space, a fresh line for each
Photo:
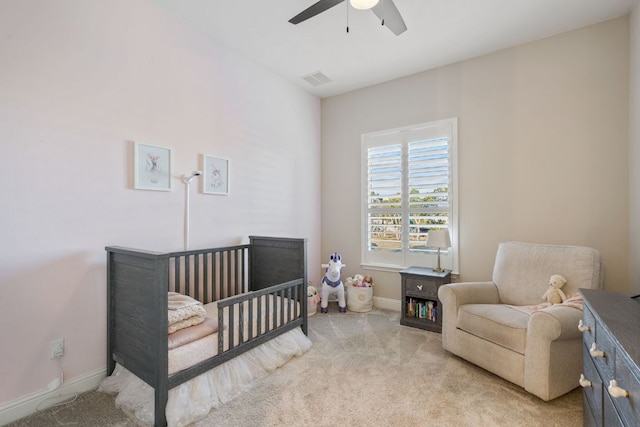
363,4
438,238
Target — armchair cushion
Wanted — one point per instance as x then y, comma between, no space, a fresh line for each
498,323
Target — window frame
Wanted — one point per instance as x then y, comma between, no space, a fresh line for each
395,261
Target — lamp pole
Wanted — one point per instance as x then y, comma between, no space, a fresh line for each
187,180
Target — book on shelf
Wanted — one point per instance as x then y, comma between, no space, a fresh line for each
422,309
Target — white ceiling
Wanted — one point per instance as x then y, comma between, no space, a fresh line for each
439,32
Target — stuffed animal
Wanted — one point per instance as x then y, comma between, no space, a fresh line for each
353,280
312,294
332,284
554,294
358,279
313,298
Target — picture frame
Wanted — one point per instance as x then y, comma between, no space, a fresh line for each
151,167
216,175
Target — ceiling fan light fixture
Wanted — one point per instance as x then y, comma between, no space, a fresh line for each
363,4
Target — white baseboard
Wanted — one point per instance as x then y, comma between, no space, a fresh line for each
387,303
27,405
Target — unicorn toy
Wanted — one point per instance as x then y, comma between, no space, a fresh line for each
332,284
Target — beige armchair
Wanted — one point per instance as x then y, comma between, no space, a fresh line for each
501,327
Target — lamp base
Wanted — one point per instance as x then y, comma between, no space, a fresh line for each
438,269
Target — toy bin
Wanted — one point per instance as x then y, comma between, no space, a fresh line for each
312,305
359,299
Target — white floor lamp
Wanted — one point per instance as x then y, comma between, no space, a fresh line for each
187,180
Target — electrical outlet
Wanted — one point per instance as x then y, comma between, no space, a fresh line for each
57,348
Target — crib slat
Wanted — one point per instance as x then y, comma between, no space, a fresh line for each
282,307
176,285
241,324
260,302
296,296
223,291
289,314
220,330
274,312
196,276
229,276
231,328
292,310
214,277
241,268
238,284
187,274
250,337
205,279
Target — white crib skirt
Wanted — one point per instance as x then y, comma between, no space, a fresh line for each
193,399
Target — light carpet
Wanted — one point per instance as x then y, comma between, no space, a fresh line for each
363,369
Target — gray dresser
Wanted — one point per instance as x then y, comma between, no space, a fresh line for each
611,359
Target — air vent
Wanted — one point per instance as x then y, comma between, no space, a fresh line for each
316,79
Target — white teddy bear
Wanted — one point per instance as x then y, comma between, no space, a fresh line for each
554,294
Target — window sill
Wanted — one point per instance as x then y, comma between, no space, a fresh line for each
397,269
382,267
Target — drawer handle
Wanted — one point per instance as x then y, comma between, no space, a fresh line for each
584,382
582,327
616,391
419,287
594,352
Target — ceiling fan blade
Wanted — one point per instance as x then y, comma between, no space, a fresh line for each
313,10
386,10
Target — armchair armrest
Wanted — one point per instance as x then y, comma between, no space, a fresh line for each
552,358
457,294
555,322
454,295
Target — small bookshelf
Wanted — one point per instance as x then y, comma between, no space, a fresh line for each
421,307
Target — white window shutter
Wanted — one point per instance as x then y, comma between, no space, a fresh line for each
408,187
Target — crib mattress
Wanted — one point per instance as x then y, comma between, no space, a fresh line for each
206,347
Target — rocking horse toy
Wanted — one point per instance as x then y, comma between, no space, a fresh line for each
332,284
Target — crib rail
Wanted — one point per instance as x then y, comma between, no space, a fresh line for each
267,310
210,274
277,310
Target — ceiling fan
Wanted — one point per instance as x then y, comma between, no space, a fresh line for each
385,10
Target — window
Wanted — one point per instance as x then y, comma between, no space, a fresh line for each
409,188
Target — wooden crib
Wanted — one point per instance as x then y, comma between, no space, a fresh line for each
239,278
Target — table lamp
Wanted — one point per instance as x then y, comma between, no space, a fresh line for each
438,238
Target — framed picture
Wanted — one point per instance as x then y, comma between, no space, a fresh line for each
216,175
151,167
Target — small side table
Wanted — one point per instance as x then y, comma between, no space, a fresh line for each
421,307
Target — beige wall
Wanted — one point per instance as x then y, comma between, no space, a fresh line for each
542,149
634,150
79,81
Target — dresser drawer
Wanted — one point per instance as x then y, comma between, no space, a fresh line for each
610,415
421,288
588,418
604,343
592,395
588,320
628,407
